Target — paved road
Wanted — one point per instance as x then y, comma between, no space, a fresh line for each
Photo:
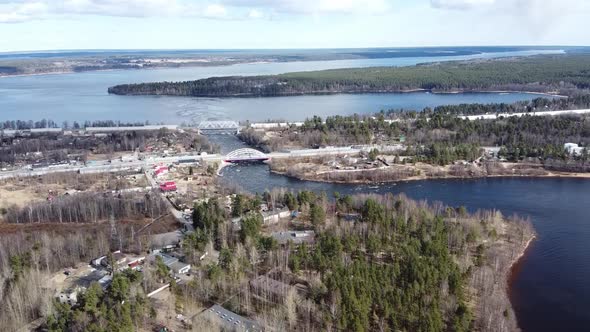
103,166
506,115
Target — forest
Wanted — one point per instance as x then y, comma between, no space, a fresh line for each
88,208
440,137
566,74
401,265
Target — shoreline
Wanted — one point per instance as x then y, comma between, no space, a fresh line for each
332,93
585,176
511,274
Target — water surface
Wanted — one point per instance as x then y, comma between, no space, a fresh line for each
550,291
83,96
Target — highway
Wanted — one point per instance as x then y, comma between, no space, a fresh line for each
104,166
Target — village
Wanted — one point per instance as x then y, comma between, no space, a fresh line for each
181,185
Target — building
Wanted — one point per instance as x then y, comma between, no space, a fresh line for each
175,266
133,128
167,259
180,268
229,321
297,237
161,171
271,217
121,261
70,296
168,186
573,149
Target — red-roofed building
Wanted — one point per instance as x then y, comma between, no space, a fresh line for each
168,186
161,170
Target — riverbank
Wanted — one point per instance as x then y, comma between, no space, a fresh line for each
489,282
312,170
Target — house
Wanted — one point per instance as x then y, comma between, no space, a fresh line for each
168,186
180,268
229,321
297,237
573,149
167,259
175,266
272,217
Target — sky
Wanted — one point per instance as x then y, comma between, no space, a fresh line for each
241,24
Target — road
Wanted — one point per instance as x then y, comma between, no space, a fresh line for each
104,166
506,115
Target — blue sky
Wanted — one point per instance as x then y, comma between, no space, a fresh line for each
196,24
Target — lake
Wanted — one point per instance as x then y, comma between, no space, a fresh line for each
550,290
83,96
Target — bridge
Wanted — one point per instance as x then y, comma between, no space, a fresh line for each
245,155
218,127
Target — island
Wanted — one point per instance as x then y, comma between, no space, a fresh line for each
556,74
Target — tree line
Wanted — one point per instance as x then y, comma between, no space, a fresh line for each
88,208
440,137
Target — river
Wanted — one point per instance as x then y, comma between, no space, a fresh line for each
550,289
83,96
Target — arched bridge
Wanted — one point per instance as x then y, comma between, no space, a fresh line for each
245,155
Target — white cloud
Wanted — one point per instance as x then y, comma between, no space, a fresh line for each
28,10
460,4
13,11
315,6
215,11
515,7
255,14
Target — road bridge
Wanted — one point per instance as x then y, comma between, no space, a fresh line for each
245,155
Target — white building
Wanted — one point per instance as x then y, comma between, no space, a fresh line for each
573,149
271,217
180,268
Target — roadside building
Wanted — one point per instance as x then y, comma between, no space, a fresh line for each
168,186
161,171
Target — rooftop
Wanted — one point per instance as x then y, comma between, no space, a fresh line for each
296,237
230,320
